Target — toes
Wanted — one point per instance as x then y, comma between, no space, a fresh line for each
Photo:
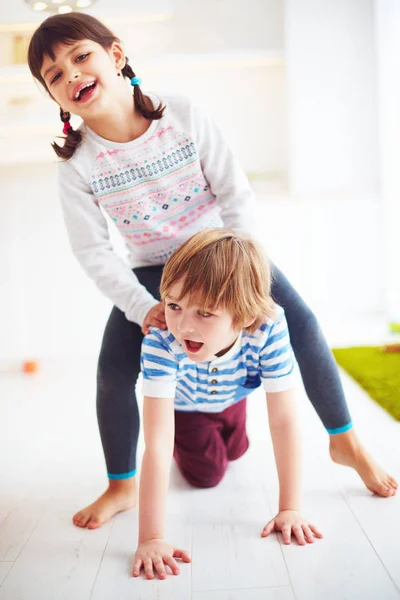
393,483
383,490
81,519
76,518
94,524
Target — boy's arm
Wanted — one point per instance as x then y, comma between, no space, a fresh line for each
159,370
158,424
285,433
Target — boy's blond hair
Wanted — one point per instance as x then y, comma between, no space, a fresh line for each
220,268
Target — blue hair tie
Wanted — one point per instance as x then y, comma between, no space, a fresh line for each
136,81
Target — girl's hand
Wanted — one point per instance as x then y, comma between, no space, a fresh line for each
291,522
157,553
155,318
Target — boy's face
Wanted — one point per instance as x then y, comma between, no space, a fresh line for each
201,334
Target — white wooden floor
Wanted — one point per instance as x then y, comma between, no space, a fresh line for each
51,465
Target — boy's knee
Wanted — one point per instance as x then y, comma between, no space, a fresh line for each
206,481
205,476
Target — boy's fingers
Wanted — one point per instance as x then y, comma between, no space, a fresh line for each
286,533
159,567
268,529
308,534
182,554
171,563
148,568
298,532
136,567
315,531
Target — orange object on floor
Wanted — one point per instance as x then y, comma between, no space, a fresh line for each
30,366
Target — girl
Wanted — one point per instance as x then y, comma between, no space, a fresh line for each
225,338
162,171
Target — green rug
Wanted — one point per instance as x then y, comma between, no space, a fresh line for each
377,372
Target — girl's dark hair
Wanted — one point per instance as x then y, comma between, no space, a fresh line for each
66,29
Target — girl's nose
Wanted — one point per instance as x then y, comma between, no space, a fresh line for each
72,77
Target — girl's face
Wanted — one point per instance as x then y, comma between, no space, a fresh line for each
83,78
202,334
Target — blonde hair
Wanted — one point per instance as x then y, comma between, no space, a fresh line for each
220,268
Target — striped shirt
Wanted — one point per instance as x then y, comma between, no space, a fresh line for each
262,357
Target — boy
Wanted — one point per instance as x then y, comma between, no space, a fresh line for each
225,338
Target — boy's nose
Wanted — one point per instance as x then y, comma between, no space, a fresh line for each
185,327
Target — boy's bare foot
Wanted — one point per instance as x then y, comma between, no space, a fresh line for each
345,449
120,495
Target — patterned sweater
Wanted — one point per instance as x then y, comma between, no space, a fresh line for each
176,179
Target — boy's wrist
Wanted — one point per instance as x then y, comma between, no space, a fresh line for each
144,539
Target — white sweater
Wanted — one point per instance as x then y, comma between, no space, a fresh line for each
176,179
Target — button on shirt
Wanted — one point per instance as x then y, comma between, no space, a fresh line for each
262,357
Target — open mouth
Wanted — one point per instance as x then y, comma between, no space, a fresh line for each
192,346
86,92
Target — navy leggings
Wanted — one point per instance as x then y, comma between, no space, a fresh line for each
119,367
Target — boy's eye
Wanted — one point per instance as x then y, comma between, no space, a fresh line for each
82,57
205,314
173,306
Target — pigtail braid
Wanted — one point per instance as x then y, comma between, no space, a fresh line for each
142,102
73,139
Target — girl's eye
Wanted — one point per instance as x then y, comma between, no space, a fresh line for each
82,57
56,76
173,306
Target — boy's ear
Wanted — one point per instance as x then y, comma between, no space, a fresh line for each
118,55
249,322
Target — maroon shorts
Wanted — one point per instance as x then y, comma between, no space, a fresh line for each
206,442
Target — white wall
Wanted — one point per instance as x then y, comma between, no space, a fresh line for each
387,13
329,53
47,304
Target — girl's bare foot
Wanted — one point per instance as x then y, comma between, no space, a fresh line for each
345,449
120,495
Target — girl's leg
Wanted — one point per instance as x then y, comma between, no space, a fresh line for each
117,410
324,389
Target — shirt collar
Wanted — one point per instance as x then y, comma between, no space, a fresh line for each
228,355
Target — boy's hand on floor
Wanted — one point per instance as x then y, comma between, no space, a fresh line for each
290,522
156,554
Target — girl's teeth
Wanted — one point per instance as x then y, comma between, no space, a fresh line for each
77,95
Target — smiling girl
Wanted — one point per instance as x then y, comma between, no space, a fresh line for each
162,171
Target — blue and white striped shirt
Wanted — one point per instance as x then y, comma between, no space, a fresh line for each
264,356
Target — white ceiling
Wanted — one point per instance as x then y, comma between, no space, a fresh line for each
17,11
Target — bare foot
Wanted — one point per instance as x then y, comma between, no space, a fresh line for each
120,495
345,449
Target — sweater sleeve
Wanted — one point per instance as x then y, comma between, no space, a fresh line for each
224,175
90,242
